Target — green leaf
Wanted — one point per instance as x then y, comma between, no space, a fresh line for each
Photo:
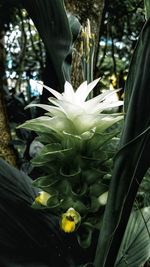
46,138
135,247
63,187
67,203
70,171
84,235
53,202
49,153
51,21
132,161
99,139
75,25
71,140
147,8
45,182
79,189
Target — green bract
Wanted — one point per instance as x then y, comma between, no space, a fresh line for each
77,157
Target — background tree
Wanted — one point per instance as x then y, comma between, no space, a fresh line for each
6,150
121,25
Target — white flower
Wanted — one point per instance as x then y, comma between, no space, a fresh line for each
71,112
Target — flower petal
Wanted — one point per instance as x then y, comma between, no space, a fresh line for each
106,106
84,89
53,92
69,93
81,93
55,111
90,104
71,110
85,122
107,121
92,85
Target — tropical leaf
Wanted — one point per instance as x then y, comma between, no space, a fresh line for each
135,247
132,161
51,21
34,233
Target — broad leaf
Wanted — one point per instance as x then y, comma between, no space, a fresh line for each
135,247
52,24
132,161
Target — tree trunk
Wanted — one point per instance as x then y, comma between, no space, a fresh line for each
6,151
85,9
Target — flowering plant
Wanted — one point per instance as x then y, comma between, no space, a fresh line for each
75,158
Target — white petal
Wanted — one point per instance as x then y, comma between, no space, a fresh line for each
92,85
84,90
55,111
85,122
94,101
68,92
71,110
53,92
106,122
106,105
57,124
81,92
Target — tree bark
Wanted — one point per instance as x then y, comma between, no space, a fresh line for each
6,151
85,9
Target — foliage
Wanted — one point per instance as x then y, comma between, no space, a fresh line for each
135,249
51,21
128,174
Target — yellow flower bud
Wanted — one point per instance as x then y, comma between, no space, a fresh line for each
70,220
67,225
42,198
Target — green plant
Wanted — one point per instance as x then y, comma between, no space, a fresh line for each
76,158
